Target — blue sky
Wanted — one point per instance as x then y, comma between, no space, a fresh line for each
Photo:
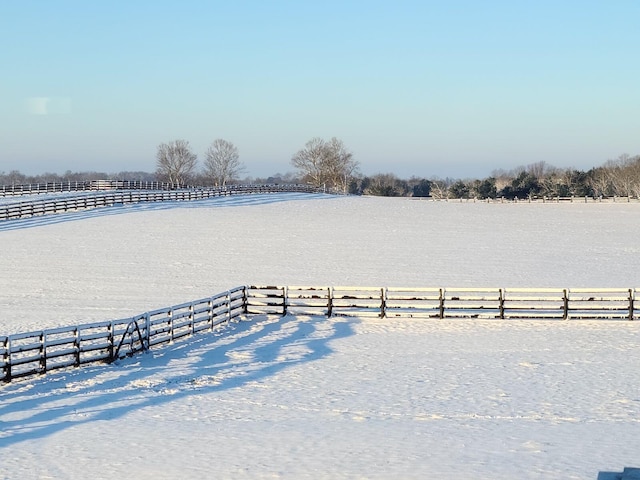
451,88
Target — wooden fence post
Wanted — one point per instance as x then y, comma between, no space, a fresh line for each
147,327
7,359
43,352
330,303
76,345
170,314
631,306
210,313
441,303
383,303
110,342
501,300
245,299
566,304
285,300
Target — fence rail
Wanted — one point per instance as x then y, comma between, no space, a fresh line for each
32,353
30,208
491,303
88,185
544,199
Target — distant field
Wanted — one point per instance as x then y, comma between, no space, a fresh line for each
116,262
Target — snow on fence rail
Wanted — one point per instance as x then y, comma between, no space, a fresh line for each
496,303
30,208
31,353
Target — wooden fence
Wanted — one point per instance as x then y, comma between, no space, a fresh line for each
493,303
89,185
587,199
32,353
30,208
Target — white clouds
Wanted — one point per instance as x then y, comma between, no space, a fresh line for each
37,105
48,105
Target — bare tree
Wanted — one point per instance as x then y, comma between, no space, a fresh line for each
600,181
222,162
342,166
634,167
326,163
502,178
175,162
539,169
310,161
14,177
439,188
620,175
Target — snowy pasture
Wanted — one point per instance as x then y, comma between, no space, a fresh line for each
311,397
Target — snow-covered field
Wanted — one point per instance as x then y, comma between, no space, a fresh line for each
304,397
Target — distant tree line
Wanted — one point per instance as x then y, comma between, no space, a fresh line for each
619,177
329,164
15,177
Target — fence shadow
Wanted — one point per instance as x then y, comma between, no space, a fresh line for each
222,201
243,352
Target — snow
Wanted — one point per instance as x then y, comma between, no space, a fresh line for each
311,397
50,196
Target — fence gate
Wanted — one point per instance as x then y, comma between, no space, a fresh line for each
132,339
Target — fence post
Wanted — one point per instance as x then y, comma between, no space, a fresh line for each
501,299
110,342
170,314
245,299
147,327
566,304
631,299
192,318
330,302
441,303
7,359
76,344
383,303
210,313
285,300
43,352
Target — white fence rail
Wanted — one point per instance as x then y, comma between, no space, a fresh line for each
493,303
32,353
43,206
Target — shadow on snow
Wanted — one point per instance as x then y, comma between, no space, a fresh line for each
243,352
230,201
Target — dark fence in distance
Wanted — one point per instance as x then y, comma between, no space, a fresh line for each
32,353
44,206
574,199
89,185
101,185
